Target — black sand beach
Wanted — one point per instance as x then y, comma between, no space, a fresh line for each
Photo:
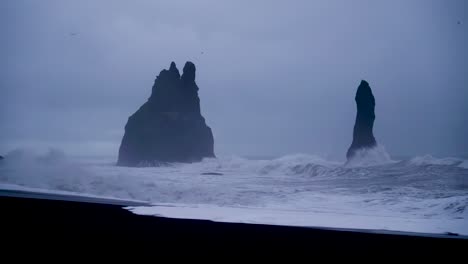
46,222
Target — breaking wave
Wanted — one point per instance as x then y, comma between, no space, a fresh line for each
370,184
369,157
430,160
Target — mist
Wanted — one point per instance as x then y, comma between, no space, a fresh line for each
275,77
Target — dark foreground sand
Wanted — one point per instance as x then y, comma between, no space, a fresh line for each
44,223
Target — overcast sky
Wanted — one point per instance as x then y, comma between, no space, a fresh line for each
275,77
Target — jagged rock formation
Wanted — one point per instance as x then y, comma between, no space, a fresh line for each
362,134
169,126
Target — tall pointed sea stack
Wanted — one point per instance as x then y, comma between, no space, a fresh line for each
362,134
169,126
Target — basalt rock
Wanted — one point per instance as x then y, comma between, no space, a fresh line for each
169,127
363,136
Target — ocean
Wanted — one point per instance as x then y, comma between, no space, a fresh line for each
374,191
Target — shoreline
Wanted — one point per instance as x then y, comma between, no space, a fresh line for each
102,224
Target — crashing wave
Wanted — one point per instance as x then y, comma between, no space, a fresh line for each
299,164
430,160
464,164
293,181
369,157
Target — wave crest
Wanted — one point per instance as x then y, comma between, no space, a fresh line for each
430,160
366,157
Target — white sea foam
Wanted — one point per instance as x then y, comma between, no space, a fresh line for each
420,189
430,160
370,157
464,164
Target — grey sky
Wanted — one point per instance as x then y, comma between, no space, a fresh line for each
275,77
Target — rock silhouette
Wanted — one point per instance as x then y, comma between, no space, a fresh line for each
363,136
169,127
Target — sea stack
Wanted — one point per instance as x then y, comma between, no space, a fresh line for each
362,135
169,127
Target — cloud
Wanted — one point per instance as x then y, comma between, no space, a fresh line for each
275,77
